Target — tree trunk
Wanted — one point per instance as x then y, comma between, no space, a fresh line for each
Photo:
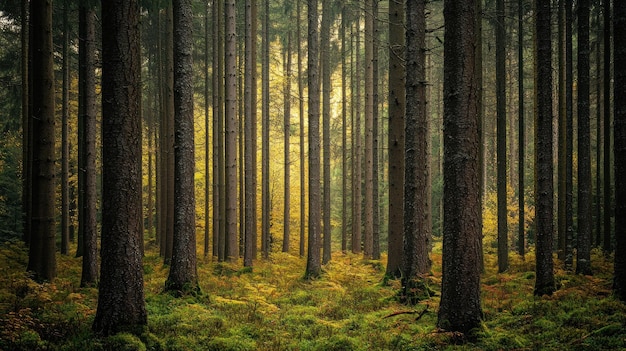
26,123
396,101
460,291
375,162
313,262
521,242
569,141
544,283
168,154
619,130
583,252
607,247
87,108
503,233
301,114
368,238
265,167
207,139
249,138
41,257
183,275
230,147
287,141
416,197
121,304
357,224
65,150
344,133
326,87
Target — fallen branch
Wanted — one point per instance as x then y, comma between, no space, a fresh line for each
419,313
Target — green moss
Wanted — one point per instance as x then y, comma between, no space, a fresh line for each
124,342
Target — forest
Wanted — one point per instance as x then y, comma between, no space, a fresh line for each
312,175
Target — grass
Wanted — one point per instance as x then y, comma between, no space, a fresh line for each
350,307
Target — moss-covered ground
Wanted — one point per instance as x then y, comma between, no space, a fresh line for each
351,307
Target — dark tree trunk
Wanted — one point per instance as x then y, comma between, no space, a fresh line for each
416,197
619,60
368,232
544,188
313,262
230,147
168,208
26,123
375,128
583,252
357,198
460,291
344,133
41,257
87,147
183,275
121,304
301,114
503,240
326,87
65,149
569,141
521,241
607,247
396,101
265,148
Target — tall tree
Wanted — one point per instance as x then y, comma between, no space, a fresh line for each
344,132
583,252
569,139
121,303
207,139
249,138
521,242
460,291
619,151
396,101
265,117
326,87
65,147
375,134
544,283
41,256
357,197
26,122
503,233
416,195
368,237
87,145
230,147
313,262
301,114
287,141
606,4
168,124
217,113
183,275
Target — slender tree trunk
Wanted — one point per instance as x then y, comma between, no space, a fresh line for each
65,150
521,242
368,239
503,233
583,252
396,101
344,133
562,128
544,283
249,139
357,224
569,142
313,266
87,108
265,187
619,151
301,114
207,139
121,304
460,291
608,247
326,87
598,194
41,257
375,163
183,275
287,136
230,147
26,122
217,113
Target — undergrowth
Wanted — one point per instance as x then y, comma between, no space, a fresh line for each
350,307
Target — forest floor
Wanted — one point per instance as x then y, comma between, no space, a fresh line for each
351,307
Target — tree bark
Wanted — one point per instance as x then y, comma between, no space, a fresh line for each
344,133
544,284
313,266
65,150
265,167
503,233
583,252
326,87
301,114
460,292
183,275
607,247
121,304
41,257
396,101
521,241
287,141
357,225
368,237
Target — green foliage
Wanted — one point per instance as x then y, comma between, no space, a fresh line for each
124,342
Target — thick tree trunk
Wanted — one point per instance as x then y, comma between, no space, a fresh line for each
608,246
183,275
583,252
65,150
619,60
460,292
301,114
26,122
121,304
396,101
41,257
503,233
313,262
521,242
544,201
375,128
230,147
87,108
